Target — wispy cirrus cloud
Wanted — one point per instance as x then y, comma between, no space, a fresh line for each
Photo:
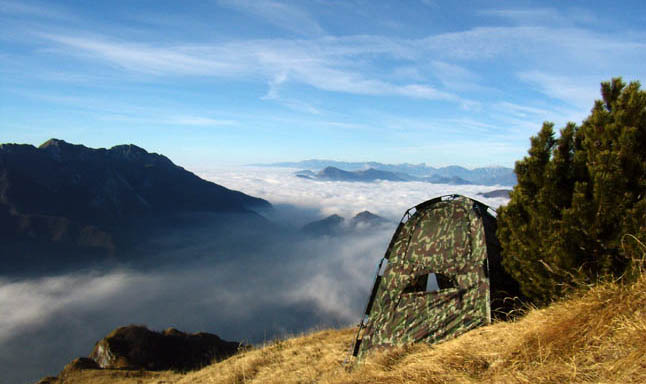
282,15
543,16
351,64
315,63
546,63
576,91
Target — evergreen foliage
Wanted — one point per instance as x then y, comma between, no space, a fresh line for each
578,199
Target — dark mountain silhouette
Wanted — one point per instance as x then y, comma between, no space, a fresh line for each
60,198
104,186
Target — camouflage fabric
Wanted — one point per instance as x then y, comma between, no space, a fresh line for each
445,240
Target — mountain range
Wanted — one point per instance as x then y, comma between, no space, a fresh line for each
59,198
371,174
406,172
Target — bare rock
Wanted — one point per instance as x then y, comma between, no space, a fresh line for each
137,347
80,364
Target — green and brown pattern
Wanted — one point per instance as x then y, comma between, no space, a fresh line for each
445,238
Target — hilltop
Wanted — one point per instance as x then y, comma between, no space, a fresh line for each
594,336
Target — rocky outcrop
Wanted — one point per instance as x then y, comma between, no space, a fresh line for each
137,347
80,364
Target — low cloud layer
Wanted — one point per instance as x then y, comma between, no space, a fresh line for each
389,199
246,285
280,289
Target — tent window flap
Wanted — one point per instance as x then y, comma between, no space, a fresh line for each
430,282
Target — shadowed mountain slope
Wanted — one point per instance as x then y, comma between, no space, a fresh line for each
104,186
60,198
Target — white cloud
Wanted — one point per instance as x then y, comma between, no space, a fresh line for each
351,64
274,94
577,91
386,198
29,304
271,287
522,111
323,63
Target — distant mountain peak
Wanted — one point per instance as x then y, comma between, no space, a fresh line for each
367,219
59,149
367,215
54,143
330,225
128,148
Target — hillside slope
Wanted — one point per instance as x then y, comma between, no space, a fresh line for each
598,336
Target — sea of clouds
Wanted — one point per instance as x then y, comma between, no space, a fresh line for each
389,199
242,284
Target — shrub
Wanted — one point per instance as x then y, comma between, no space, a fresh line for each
577,198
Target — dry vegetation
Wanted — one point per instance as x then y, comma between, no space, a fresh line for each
595,337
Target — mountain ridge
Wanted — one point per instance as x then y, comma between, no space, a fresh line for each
493,175
62,198
371,174
335,225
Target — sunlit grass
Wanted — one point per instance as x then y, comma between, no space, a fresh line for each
596,336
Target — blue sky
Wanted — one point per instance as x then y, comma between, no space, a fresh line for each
223,82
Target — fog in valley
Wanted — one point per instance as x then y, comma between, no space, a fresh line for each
244,278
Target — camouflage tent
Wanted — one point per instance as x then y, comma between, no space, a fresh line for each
439,278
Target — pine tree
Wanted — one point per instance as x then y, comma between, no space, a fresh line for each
578,197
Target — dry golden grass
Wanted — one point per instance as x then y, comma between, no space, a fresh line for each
596,337
114,376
